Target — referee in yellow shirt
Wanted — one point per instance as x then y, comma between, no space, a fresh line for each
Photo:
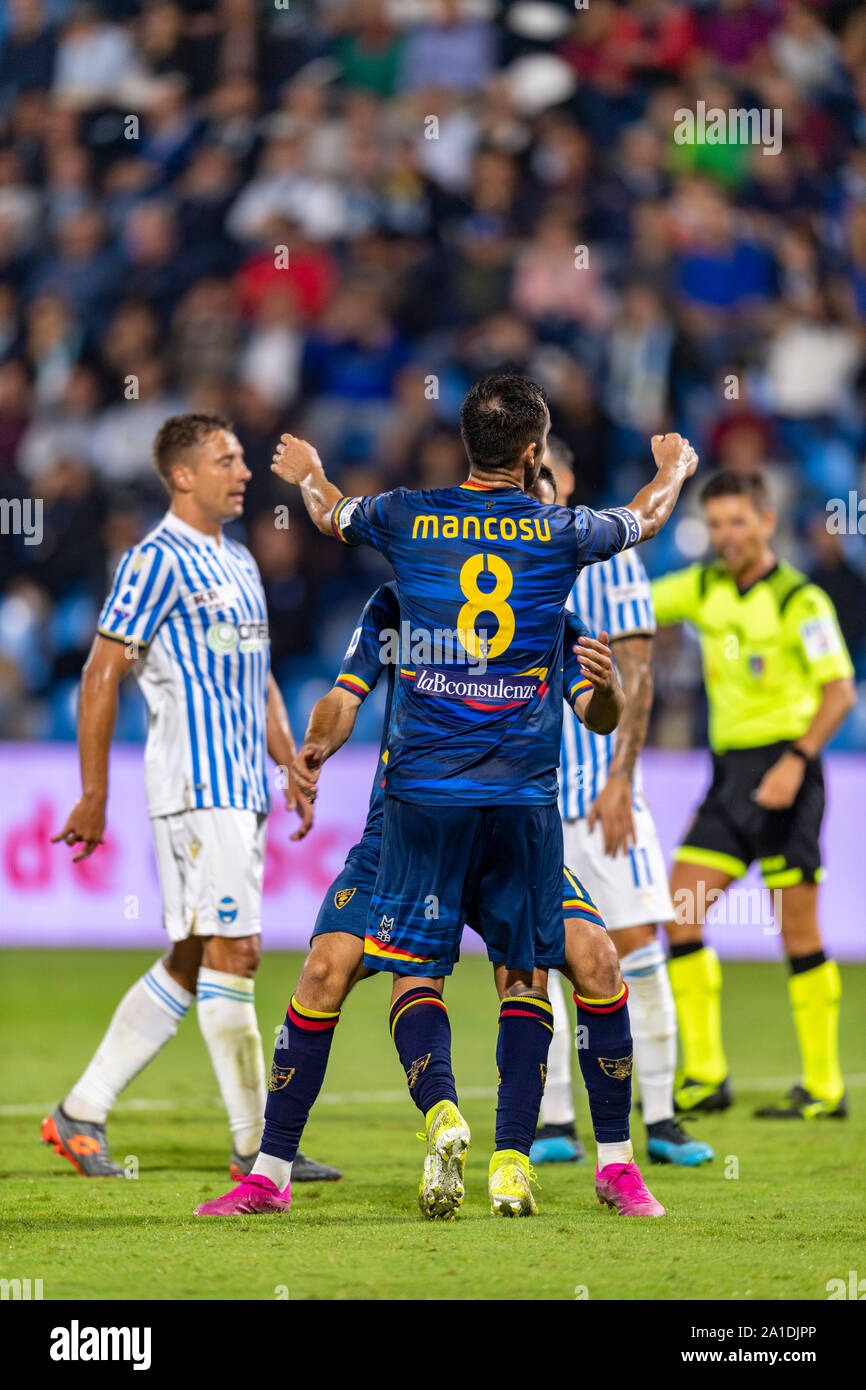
779,683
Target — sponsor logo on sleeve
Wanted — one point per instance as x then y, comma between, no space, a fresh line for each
819,637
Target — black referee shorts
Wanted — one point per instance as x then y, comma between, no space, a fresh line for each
730,830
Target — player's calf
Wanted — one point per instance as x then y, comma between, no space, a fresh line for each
525,1033
421,1031
145,1020
296,1076
606,1061
225,995
654,1034
301,1058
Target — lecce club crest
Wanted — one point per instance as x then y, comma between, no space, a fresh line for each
618,1068
343,896
279,1077
416,1068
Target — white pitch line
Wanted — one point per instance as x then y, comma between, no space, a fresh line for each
764,1083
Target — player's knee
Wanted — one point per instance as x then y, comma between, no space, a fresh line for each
234,955
328,973
597,965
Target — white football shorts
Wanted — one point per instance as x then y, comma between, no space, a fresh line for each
211,864
632,888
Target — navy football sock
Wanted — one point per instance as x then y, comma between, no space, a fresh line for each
606,1062
421,1031
297,1073
525,1033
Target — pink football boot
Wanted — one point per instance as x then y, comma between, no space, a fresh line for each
256,1194
623,1188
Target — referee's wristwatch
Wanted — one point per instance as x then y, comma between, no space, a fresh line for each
801,753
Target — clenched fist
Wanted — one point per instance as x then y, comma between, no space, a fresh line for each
294,459
672,451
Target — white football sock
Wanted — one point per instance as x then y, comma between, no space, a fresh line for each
615,1153
144,1020
653,1028
227,1018
279,1170
557,1103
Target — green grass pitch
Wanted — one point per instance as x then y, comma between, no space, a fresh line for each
778,1214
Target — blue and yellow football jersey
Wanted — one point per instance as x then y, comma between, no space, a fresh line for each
362,668
483,574
360,672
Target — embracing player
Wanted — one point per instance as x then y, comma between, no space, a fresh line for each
471,829
187,614
609,834
779,683
335,962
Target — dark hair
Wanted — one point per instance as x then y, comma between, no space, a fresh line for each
501,416
728,483
180,432
547,475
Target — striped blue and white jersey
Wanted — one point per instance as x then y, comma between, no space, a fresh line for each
193,609
612,596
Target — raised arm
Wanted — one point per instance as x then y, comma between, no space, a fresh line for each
613,805
281,747
104,669
296,461
331,723
675,461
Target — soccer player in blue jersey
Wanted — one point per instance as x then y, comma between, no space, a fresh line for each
608,830
187,614
470,825
335,962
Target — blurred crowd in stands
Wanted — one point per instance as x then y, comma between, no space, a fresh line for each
333,217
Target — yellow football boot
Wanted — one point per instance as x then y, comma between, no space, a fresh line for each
509,1184
441,1190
